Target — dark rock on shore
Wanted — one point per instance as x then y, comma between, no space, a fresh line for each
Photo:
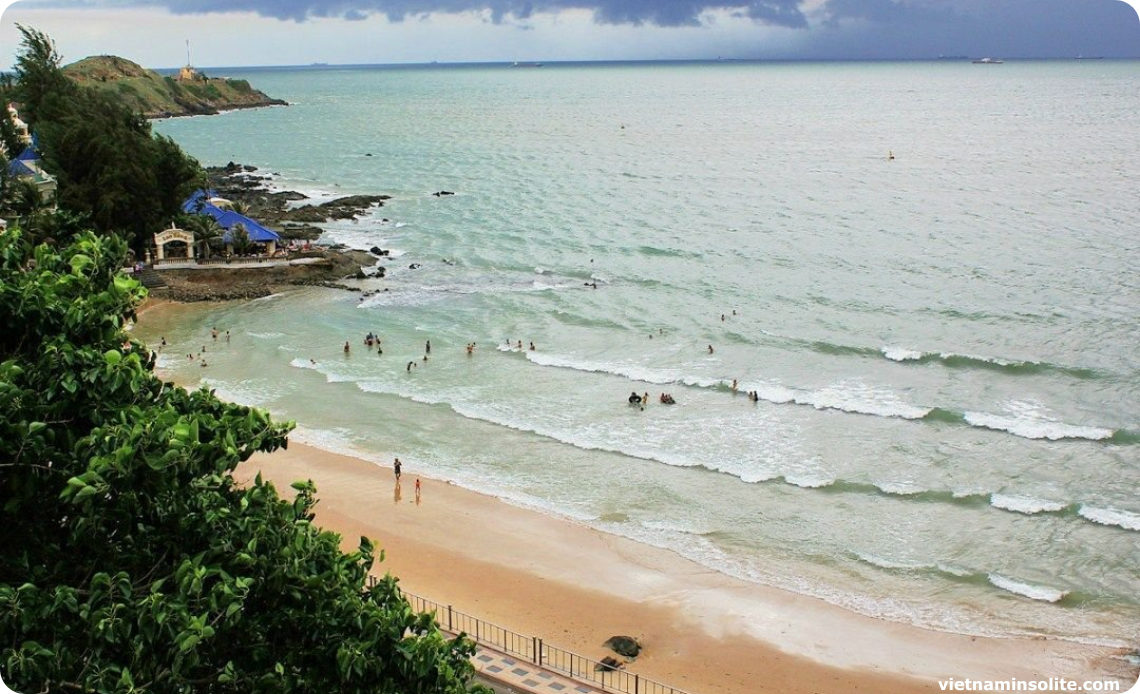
609,663
623,645
239,183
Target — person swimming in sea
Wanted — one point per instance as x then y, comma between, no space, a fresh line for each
347,348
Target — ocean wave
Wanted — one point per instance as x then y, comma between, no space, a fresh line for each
852,397
1026,504
814,480
1035,428
1012,367
953,360
267,335
1027,590
892,564
1111,516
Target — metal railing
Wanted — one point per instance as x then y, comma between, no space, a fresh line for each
535,650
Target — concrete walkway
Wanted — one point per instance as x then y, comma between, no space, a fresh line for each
524,677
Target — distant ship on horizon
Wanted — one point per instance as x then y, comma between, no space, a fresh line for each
518,64
988,61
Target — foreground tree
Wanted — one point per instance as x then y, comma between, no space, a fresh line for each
131,560
108,163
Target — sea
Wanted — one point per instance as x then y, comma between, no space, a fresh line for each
925,271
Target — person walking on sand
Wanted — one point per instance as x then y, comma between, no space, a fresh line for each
396,468
417,490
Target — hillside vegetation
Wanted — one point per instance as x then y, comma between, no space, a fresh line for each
158,96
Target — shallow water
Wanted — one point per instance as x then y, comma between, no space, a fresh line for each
943,345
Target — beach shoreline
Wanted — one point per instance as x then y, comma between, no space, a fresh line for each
575,586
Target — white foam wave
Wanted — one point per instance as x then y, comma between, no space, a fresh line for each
1037,428
267,335
1026,504
1111,516
1028,590
901,488
859,398
884,563
268,298
633,372
300,363
901,354
808,482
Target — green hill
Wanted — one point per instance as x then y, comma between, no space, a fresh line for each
158,96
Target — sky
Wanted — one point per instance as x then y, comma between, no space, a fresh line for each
300,32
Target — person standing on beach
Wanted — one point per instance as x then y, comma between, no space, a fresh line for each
396,467
417,491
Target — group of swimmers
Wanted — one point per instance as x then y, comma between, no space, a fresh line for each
643,400
518,345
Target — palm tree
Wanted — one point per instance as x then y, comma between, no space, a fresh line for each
206,231
241,207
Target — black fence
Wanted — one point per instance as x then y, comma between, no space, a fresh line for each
605,677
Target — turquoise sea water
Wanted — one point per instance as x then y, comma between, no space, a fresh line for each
944,345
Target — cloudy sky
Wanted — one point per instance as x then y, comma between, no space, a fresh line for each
298,32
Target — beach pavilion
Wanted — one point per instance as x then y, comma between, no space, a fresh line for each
206,202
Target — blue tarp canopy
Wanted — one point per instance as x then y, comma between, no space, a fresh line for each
197,201
17,169
28,154
257,233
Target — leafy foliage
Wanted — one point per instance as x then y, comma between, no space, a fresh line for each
107,162
239,239
132,561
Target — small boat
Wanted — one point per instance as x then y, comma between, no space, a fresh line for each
988,61
526,65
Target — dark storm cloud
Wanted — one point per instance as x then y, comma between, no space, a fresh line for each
1021,28
634,12
843,29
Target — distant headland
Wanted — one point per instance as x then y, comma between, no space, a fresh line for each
190,93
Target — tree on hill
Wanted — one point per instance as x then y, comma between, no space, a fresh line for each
132,560
107,162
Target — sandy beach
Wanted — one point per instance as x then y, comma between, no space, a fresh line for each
575,587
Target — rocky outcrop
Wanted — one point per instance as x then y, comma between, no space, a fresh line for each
227,283
158,96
